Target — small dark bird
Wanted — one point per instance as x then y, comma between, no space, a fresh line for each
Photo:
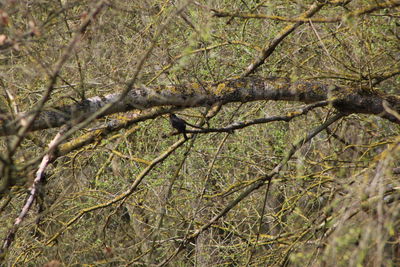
178,124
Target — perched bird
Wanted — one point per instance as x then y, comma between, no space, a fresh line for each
178,124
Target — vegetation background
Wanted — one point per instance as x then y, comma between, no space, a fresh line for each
139,196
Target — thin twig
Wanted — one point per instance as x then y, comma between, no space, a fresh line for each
240,125
266,179
269,49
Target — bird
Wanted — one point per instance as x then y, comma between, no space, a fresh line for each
178,124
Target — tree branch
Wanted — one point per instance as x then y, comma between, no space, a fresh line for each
240,125
270,48
33,190
355,13
266,179
347,100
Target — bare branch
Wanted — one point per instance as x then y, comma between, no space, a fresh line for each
266,179
355,13
240,125
347,100
33,190
270,48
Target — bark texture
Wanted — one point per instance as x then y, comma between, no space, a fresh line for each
344,99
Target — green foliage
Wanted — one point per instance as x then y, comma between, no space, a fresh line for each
334,203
